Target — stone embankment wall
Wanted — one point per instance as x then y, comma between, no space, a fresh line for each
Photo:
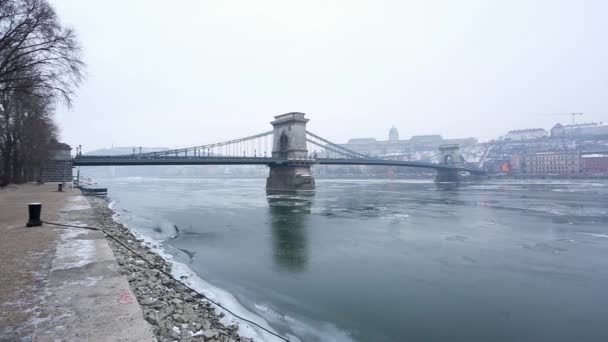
56,171
174,312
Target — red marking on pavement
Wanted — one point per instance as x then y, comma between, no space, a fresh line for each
124,297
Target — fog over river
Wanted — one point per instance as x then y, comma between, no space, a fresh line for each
392,260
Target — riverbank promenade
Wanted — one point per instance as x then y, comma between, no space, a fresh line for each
61,283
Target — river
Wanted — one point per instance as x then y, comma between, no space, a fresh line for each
392,260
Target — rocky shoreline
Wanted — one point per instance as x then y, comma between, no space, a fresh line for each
173,311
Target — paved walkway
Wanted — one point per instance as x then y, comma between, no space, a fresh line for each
61,284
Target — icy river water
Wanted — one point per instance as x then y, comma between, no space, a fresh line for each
392,260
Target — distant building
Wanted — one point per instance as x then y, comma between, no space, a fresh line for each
552,163
516,163
430,141
60,151
369,146
373,147
497,165
58,168
527,134
558,131
463,142
393,134
584,130
594,163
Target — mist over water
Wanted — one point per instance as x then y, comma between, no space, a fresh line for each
392,260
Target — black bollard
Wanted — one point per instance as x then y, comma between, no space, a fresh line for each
35,209
60,187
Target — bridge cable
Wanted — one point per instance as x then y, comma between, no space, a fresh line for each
339,152
223,143
160,269
346,150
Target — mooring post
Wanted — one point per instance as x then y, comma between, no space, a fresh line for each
60,187
34,210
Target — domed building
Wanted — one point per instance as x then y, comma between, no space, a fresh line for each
393,134
417,143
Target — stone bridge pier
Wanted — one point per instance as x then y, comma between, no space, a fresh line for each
449,155
289,144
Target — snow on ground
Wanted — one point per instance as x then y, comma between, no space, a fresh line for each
76,203
73,251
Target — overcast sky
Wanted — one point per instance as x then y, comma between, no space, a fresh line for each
181,73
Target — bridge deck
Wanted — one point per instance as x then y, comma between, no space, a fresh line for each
144,160
169,160
383,162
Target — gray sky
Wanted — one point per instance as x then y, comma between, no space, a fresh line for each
181,73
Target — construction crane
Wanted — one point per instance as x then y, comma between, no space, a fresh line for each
571,114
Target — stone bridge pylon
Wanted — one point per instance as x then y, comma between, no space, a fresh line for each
289,143
449,155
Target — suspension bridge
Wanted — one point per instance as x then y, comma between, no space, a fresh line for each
289,150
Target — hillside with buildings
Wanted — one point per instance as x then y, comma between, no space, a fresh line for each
576,150
566,150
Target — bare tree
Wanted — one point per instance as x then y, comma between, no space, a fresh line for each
40,63
27,127
35,47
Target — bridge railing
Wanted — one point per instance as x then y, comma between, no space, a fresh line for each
165,157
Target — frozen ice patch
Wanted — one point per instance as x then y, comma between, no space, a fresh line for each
244,328
76,203
307,331
71,251
594,234
396,218
87,282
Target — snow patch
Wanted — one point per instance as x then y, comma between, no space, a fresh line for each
324,332
72,251
86,282
595,234
76,203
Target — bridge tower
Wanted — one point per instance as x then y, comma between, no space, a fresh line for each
449,155
289,144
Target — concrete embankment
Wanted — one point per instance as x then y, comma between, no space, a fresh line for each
60,283
71,284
